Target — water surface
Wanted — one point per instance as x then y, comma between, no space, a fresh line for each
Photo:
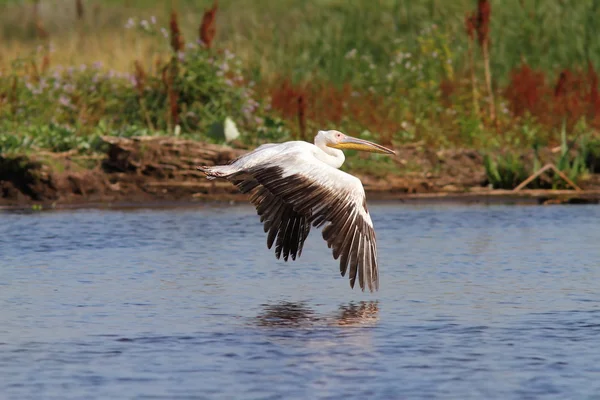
475,302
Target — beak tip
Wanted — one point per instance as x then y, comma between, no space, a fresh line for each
350,142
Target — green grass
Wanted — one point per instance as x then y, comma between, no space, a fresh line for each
576,158
308,39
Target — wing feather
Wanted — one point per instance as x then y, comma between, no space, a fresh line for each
297,191
286,228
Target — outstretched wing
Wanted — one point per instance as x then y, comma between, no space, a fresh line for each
292,193
284,226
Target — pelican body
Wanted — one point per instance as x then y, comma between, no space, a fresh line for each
296,185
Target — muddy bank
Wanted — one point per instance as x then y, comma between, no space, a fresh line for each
158,169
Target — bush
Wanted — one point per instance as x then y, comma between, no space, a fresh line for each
505,171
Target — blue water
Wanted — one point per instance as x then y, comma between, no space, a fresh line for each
498,302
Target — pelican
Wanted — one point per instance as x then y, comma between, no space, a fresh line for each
297,184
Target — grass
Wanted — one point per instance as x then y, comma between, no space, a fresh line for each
310,38
396,71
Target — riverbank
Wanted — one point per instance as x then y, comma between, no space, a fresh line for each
162,170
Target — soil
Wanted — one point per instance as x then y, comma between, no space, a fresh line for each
163,170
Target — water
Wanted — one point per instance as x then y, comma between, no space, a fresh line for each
475,302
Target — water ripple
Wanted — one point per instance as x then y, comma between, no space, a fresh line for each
475,302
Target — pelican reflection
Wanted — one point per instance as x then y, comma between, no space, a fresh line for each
357,314
300,314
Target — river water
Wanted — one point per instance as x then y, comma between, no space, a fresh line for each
475,302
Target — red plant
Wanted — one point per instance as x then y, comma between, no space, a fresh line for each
208,27
284,96
79,9
567,101
447,89
140,77
168,74
483,21
157,64
174,106
177,42
326,105
470,25
526,91
560,88
573,96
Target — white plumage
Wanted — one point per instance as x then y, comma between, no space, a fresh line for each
296,184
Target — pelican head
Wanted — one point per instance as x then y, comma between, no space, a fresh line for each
338,140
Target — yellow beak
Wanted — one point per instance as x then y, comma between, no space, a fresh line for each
351,143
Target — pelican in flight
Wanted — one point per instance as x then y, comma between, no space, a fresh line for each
297,184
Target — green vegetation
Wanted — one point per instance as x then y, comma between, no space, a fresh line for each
576,159
505,172
398,72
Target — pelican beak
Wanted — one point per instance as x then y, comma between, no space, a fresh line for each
351,143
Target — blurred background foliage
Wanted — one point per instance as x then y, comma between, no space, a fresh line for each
510,75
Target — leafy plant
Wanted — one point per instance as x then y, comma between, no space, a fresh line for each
573,166
272,129
505,171
590,151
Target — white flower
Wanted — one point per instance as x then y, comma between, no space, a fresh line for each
228,55
130,23
351,54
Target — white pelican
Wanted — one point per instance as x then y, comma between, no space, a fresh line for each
296,184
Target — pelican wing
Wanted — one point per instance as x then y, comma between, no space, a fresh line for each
279,218
293,193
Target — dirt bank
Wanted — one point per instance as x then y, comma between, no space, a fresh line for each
159,169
